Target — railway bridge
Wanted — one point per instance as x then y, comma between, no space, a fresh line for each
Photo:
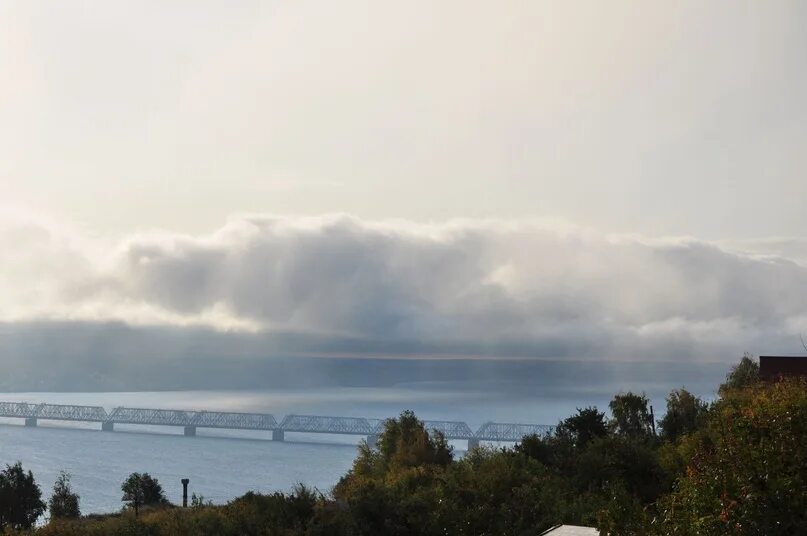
190,421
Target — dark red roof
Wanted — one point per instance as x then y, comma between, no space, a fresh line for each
774,366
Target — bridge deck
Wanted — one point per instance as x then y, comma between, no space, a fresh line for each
56,412
317,424
500,431
326,425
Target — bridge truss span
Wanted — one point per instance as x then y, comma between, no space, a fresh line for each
18,409
377,425
54,412
500,431
165,417
327,425
234,421
450,429
60,412
317,424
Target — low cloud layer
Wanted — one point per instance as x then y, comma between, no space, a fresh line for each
475,288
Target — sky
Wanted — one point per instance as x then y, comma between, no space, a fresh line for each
615,179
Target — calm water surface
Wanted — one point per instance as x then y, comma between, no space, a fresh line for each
222,464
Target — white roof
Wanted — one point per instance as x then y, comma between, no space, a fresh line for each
571,530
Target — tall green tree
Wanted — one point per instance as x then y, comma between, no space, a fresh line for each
63,504
538,448
20,498
631,415
620,462
141,489
747,468
685,412
393,489
583,427
743,374
404,442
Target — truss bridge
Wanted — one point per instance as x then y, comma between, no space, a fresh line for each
191,420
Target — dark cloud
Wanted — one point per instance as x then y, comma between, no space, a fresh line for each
479,288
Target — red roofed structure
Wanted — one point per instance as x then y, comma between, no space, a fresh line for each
772,367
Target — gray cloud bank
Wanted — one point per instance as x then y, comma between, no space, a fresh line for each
339,285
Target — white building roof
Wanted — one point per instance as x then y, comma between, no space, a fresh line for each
571,530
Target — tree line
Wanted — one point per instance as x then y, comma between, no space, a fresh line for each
21,502
735,466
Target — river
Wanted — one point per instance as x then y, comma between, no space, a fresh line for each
222,465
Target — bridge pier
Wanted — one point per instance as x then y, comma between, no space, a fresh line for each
372,441
278,435
30,421
107,426
190,431
473,443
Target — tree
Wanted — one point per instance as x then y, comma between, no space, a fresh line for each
140,489
747,472
498,491
580,429
405,442
684,412
624,462
20,498
393,489
631,415
535,447
743,374
63,504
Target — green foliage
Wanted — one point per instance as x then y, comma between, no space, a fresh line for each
253,512
277,514
63,504
582,428
500,492
536,447
748,470
405,442
685,413
20,498
743,374
624,514
631,415
141,489
412,485
738,467
389,488
620,461
572,436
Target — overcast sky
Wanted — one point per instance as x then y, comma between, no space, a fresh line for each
478,175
